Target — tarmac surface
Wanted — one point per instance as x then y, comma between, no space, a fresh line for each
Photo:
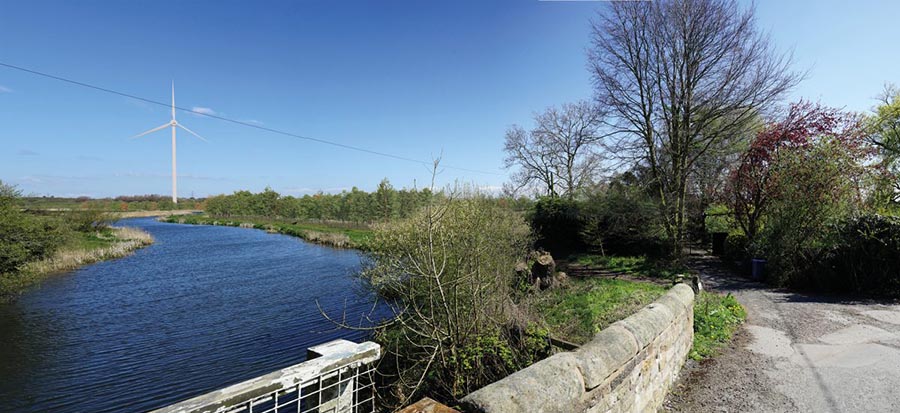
795,353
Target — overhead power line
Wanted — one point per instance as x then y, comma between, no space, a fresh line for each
239,122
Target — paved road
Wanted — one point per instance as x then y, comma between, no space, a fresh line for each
796,353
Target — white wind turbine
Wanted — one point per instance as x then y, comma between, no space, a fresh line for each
173,124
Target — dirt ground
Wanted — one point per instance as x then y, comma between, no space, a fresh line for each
795,353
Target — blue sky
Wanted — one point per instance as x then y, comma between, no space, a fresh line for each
415,79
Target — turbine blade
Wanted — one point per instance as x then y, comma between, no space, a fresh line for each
158,128
193,133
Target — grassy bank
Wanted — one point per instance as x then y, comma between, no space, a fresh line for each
339,235
608,297
716,318
84,248
583,307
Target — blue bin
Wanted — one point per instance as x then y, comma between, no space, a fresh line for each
758,269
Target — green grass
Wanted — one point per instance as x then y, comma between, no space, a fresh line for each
349,235
92,240
639,266
612,262
716,318
580,309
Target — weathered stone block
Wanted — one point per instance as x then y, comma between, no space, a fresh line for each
683,293
611,348
675,305
548,386
647,323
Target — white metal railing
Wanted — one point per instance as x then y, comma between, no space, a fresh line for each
336,378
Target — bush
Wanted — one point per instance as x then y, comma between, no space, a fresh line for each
737,247
448,271
25,237
87,220
864,257
622,220
716,317
815,188
557,225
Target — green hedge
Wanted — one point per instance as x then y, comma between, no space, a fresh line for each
863,257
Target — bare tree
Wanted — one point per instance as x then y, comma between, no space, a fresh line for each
534,158
680,76
560,154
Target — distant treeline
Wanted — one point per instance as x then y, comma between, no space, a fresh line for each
355,205
150,202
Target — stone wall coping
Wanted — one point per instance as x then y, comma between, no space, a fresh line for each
560,382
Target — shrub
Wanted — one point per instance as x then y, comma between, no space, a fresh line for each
87,220
808,130
814,189
622,220
556,224
25,237
864,257
718,218
736,246
449,271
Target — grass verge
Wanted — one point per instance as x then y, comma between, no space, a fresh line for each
85,248
639,266
716,318
332,234
579,309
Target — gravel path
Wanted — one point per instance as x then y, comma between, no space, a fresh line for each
796,353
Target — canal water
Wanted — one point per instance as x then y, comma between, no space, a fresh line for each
201,308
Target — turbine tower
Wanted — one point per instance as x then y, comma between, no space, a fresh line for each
174,125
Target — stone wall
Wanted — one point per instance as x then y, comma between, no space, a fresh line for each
627,367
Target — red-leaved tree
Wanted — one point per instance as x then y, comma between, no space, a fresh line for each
750,185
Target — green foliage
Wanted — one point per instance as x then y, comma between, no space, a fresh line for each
117,204
884,129
622,219
815,188
584,307
557,224
863,256
356,206
87,220
737,246
448,271
25,237
716,317
719,218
